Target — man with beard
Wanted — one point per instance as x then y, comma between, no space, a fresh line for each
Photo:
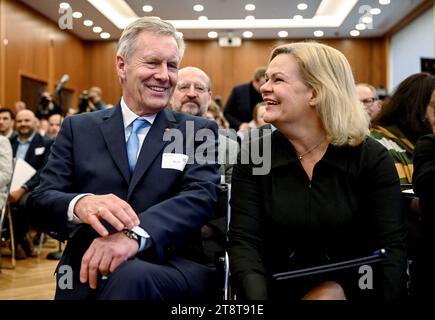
193,95
33,148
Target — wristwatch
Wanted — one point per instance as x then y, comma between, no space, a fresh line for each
138,234
132,235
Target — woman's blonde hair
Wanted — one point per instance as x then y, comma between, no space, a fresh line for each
328,73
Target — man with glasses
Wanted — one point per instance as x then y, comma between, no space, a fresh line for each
369,98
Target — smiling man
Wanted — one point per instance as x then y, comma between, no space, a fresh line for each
132,213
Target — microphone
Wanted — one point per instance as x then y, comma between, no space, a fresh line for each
64,80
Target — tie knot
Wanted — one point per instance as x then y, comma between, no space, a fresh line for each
138,124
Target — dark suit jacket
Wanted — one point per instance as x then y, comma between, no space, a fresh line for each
424,187
282,221
89,156
35,156
240,104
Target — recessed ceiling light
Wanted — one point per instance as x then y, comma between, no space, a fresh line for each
384,2
212,34
105,35
249,18
302,6
77,14
250,7
375,11
202,18
282,34
298,17
247,34
318,33
198,7
367,19
88,23
360,26
64,5
147,8
97,29
354,33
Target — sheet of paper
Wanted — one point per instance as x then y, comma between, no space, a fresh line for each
22,173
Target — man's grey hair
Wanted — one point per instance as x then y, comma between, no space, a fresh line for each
127,41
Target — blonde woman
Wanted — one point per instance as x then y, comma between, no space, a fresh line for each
332,193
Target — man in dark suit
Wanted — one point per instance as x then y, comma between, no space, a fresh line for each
33,148
242,101
133,228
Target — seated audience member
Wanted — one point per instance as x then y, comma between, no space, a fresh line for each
5,169
257,114
215,113
130,205
192,95
42,126
95,99
7,121
20,105
404,120
33,148
424,186
242,100
47,106
54,124
369,98
332,193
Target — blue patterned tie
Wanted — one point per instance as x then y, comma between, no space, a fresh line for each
133,142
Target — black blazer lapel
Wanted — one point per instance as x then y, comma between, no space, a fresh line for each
152,145
113,132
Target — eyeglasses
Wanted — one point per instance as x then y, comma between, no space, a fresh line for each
369,101
199,88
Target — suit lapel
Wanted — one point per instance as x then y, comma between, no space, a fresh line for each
113,132
152,146
33,144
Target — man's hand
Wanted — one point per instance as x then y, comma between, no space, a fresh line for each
91,209
16,195
105,255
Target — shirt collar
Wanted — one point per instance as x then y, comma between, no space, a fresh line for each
28,140
129,116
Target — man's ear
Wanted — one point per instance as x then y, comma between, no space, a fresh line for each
120,66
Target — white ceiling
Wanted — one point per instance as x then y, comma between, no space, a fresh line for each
233,9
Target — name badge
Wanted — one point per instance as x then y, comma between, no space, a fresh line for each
175,161
39,151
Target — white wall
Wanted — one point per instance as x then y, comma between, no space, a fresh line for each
413,42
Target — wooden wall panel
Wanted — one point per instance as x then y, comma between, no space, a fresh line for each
38,49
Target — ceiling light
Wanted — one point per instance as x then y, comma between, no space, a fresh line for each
250,7
360,26
247,34
117,12
202,18
64,5
249,18
147,8
298,17
302,6
198,7
88,23
367,19
282,34
105,35
354,33
318,33
375,11
212,34
384,2
77,15
97,29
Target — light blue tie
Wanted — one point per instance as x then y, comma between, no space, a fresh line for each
133,142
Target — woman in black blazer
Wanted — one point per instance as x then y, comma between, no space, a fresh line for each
331,194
